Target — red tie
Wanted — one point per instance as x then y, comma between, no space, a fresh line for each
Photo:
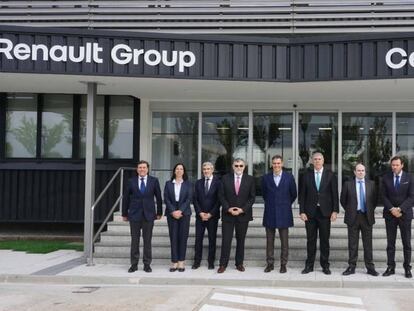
237,185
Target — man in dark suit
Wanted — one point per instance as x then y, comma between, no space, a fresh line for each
237,196
207,209
279,193
359,199
139,209
398,198
319,205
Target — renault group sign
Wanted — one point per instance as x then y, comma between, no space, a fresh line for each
121,54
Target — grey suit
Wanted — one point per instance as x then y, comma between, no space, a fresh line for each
358,221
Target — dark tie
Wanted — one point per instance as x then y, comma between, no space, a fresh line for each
206,186
397,182
142,185
362,197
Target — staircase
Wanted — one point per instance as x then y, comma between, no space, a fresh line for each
114,244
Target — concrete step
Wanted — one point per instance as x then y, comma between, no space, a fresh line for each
338,258
251,242
114,244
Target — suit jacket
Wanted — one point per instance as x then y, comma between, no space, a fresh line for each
210,202
349,201
327,196
244,200
278,200
137,205
402,198
186,194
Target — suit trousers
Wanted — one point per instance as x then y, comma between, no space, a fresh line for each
313,225
178,230
201,226
360,225
135,228
227,236
270,245
405,231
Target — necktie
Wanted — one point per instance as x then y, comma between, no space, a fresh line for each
397,182
206,186
142,185
237,185
318,180
361,197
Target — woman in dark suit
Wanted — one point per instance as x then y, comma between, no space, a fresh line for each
177,197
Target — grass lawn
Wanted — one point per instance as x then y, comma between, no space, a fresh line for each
40,246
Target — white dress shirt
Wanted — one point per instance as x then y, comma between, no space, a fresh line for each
177,189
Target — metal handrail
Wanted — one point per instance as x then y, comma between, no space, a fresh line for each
93,237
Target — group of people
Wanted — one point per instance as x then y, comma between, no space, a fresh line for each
235,194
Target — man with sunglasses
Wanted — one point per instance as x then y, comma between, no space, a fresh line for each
237,195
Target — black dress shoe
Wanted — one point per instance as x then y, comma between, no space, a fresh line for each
147,268
221,269
326,271
240,268
283,269
210,266
307,270
408,274
173,269
389,271
349,271
372,272
195,266
182,269
133,268
269,268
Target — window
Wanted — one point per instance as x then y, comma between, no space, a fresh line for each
225,137
57,121
121,127
405,139
174,140
21,125
272,134
100,128
53,126
366,138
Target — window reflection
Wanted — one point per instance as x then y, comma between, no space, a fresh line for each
272,134
121,127
21,125
57,118
225,137
405,139
174,139
366,138
99,136
318,132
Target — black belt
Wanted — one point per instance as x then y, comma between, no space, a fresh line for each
361,212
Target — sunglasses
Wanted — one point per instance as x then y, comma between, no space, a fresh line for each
237,165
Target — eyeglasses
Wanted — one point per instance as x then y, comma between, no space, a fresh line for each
237,165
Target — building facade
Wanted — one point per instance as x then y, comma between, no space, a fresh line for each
168,92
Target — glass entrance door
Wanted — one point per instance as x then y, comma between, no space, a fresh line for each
295,136
317,132
272,134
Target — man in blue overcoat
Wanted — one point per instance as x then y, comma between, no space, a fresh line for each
279,193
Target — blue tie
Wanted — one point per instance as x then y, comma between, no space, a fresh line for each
318,180
397,182
362,197
142,185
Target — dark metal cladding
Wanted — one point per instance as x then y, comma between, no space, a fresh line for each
238,58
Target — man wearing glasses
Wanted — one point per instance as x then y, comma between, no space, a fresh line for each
237,195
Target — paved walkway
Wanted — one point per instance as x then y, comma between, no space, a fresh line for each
68,267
